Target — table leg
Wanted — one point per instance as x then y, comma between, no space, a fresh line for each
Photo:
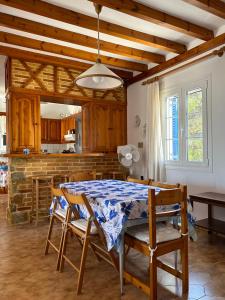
37,202
121,262
209,216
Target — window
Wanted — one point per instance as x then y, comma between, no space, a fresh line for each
172,125
185,125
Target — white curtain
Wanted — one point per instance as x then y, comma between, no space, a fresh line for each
154,145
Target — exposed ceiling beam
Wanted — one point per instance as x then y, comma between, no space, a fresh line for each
217,41
57,61
152,15
68,16
215,7
76,38
67,51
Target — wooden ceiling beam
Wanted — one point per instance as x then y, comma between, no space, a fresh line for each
76,38
215,7
198,50
56,61
71,17
14,39
152,15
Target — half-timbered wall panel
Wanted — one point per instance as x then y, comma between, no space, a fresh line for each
54,79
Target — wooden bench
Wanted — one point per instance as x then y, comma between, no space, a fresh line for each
212,199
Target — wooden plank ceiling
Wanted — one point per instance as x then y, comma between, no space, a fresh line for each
154,50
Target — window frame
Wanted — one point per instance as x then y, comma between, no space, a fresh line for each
182,91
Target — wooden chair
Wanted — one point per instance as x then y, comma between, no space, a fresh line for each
82,176
163,185
60,215
89,233
156,239
135,180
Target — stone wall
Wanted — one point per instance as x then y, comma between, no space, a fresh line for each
22,169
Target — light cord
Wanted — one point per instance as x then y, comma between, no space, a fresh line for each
98,42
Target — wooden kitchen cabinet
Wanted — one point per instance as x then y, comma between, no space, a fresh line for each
23,122
67,123
86,128
54,131
118,128
102,130
103,127
50,131
44,131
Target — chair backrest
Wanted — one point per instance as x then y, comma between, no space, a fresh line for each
56,193
135,180
82,176
167,197
82,200
163,185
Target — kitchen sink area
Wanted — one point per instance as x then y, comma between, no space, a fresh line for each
61,128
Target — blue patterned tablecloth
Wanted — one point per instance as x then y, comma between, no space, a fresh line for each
113,202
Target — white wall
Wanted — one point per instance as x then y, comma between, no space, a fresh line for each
197,181
58,111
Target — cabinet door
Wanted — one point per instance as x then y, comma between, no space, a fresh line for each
63,129
54,131
101,128
44,131
86,128
71,122
24,111
117,127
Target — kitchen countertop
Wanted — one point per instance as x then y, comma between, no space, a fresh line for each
57,155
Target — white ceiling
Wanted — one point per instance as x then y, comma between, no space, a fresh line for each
174,7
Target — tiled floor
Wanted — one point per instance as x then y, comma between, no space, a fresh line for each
25,273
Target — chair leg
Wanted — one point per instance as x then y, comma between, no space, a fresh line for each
184,262
94,252
60,249
82,265
63,250
153,279
49,234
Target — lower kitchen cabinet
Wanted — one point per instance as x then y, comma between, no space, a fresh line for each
103,127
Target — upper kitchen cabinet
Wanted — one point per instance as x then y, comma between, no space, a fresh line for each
23,122
67,124
50,131
103,127
117,127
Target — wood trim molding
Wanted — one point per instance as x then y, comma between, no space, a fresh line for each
215,7
155,16
57,61
14,39
198,50
76,38
71,17
65,99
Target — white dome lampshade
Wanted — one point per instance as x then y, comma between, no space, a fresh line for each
99,77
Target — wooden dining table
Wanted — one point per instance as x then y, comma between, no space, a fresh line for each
116,205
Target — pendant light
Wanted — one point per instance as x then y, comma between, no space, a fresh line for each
99,77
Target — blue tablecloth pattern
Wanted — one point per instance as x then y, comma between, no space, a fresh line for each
113,203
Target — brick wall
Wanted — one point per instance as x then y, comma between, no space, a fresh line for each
21,171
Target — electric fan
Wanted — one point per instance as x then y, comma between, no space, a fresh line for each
128,155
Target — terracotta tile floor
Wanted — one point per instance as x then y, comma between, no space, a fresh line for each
25,273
